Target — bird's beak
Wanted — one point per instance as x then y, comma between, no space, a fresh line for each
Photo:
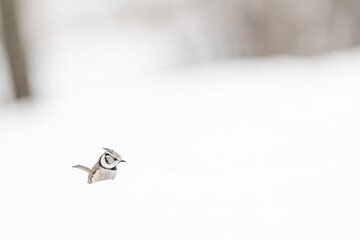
122,161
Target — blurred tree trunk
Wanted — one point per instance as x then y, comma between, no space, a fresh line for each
231,28
13,48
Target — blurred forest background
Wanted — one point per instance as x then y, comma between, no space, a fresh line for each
238,119
195,30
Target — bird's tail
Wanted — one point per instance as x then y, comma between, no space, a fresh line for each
86,169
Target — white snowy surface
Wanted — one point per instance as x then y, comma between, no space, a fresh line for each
237,149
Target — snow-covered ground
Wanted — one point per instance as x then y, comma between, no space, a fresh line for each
235,149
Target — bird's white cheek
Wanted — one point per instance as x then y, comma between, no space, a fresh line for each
107,165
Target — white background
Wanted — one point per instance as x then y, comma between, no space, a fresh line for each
231,149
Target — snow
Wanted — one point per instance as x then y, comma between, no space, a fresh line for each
231,149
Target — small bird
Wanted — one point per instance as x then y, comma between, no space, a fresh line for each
105,168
